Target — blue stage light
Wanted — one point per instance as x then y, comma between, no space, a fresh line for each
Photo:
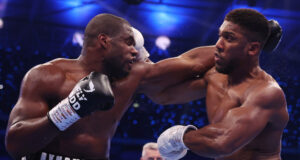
68,12
164,22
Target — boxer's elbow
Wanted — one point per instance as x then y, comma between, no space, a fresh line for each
223,150
14,141
11,144
156,97
215,150
158,100
211,147
163,99
222,147
13,152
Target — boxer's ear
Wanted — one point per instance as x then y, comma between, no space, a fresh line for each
254,48
102,40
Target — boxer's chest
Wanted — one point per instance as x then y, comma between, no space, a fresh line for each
220,98
64,89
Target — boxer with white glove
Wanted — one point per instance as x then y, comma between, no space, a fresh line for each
89,94
170,142
143,54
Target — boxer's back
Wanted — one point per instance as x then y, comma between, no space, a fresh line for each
221,98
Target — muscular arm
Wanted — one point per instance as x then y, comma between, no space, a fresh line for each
240,125
172,71
183,92
28,128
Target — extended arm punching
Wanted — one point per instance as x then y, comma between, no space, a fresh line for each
172,71
156,78
183,92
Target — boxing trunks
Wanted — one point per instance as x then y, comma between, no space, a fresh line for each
49,156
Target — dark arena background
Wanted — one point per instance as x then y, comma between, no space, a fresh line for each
36,31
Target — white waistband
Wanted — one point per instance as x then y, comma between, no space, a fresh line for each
48,156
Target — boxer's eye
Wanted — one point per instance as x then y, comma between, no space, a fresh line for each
229,37
130,41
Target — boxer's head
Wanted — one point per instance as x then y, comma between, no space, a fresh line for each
112,38
241,37
254,24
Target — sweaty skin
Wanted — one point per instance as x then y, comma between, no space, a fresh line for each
45,85
246,119
246,108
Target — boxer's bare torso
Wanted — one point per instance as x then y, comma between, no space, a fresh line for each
232,107
90,136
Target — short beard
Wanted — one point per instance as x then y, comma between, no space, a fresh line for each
225,70
114,71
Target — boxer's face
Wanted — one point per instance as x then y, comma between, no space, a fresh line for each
122,53
231,48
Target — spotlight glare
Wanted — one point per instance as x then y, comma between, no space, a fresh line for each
136,105
1,23
78,38
163,42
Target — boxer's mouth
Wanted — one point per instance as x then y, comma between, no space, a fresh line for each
133,60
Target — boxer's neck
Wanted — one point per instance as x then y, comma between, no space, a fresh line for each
91,60
240,74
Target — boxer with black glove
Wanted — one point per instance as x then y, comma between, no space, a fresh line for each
90,94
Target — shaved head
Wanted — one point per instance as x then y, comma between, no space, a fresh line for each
103,23
252,21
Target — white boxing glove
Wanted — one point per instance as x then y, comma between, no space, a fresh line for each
143,54
170,142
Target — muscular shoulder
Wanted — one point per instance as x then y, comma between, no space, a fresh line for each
47,72
41,78
268,95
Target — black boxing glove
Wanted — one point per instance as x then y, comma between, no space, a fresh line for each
274,37
90,94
